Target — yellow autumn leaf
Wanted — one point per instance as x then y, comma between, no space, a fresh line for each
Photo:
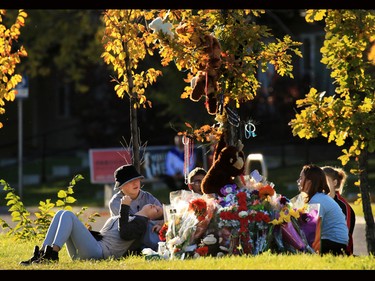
61,194
70,200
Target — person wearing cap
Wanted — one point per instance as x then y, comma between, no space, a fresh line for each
128,182
116,236
195,178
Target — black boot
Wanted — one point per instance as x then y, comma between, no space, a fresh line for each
37,254
49,255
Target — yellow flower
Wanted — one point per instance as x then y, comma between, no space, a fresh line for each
285,215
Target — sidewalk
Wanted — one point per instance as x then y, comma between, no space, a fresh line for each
359,236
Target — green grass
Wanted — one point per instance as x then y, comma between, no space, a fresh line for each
12,252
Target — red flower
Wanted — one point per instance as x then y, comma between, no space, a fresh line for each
163,231
199,206
202,251
264,191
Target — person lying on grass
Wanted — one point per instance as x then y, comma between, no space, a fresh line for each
112,241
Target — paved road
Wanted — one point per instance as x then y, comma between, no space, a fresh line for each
359,238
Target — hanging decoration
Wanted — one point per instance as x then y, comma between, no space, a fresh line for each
250,130
188,154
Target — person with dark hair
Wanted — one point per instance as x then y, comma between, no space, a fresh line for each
112,241
195,178
332,233
336,178
128,182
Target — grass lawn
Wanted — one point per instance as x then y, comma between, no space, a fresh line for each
12,252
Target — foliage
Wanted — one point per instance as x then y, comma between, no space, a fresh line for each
10,56
181,37
347,118
65,43
127,42
245,47
27,228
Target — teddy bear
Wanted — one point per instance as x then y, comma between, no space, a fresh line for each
228,165
158,25
204,83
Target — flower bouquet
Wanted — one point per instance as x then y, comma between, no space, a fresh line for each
246,214
187,219
288,231
247,220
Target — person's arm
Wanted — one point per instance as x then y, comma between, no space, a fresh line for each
114,205
133,229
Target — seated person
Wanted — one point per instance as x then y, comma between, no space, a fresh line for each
195,178
128,182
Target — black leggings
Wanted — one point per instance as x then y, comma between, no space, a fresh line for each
330,247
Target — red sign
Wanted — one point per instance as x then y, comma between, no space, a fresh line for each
104,162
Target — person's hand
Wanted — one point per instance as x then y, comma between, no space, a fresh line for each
156,228
126,200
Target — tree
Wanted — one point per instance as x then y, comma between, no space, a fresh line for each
347,117
127,41
220,50
10,57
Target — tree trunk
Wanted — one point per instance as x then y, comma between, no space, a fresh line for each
134,135
231,132
366,201
133,114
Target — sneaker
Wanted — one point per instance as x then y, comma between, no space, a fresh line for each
49,255
37,254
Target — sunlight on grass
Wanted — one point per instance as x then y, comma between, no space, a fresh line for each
12,252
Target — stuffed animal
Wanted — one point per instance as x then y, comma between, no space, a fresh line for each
158,25
229,163
211,243
205,81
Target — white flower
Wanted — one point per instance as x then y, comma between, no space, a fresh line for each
242,214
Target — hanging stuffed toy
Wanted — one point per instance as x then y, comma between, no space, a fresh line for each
205,81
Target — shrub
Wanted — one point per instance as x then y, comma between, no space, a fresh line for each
27,228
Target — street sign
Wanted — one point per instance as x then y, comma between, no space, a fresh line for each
104,162
22,88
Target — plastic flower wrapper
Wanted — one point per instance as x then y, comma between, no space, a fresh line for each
291,236
204,209
181,221
288,234
255,181
308,222
181,227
